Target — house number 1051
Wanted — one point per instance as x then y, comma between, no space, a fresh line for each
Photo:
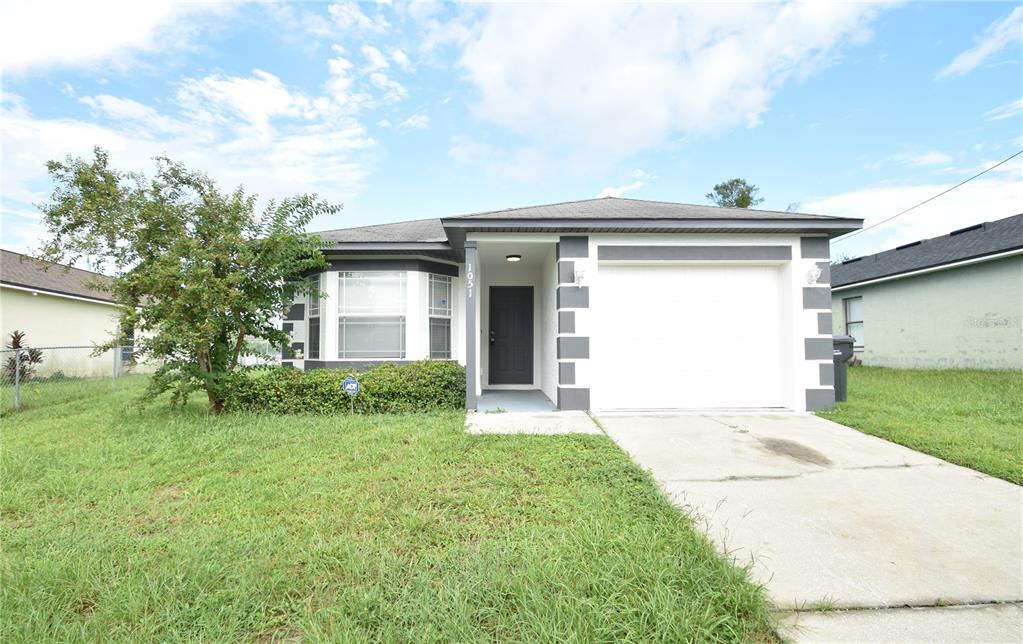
470,280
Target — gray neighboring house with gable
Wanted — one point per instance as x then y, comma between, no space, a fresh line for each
954,301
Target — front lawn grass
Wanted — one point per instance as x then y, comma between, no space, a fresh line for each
173,525
968,417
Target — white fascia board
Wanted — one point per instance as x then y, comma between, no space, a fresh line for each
932,269
64,295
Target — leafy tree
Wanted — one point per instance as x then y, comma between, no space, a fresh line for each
25,364
735,193
196,271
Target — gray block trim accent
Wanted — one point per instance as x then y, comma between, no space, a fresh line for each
570,246
296,312
819,399
573,297
824,324
818,348
574,348
471,335
418,265
566,272
828,375
814,248
288,327
825,277
693,253
573,399
566,373
566,322
817,297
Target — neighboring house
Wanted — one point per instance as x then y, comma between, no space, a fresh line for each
954,301
603,303
55,307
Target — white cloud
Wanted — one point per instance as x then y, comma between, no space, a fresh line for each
610,80
252,131
37,35
984,199
401,58
393,90
349,16
1005,111
416,121
375,59
998,35
640,177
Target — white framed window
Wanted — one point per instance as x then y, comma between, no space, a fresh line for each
854,319
313,320
440,317
371,315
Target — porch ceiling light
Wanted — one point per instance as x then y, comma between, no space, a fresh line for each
514,258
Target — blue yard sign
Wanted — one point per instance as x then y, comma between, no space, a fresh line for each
351,386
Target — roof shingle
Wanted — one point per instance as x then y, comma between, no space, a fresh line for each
21,270
968,243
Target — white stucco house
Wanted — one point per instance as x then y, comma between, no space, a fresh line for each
949,302
599,304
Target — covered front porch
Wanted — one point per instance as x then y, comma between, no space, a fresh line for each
512,323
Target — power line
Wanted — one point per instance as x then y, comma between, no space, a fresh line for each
944,192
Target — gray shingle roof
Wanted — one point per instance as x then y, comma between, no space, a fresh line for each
21,270
422,230
621,208
968,243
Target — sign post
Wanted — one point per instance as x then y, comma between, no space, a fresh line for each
351,387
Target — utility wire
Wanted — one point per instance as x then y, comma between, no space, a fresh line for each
944,192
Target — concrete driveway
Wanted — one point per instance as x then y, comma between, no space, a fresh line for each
833,518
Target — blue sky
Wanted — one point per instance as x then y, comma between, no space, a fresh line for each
405,111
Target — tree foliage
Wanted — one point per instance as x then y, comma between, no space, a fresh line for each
195,271
735,193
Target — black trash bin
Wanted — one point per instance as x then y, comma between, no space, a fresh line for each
843,345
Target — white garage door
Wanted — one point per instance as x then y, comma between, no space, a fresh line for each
687,337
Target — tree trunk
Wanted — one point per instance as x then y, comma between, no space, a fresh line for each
216,402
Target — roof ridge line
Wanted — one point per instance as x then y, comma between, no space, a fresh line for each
388,223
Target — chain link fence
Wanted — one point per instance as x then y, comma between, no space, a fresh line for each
39,376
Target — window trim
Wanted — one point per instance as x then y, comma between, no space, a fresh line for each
314,296
439,314
398,313
845,314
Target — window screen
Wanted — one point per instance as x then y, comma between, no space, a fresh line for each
371,310
440,317
854,319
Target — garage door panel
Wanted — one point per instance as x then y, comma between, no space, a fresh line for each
687,336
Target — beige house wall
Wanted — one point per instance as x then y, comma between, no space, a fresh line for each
54,321
968,317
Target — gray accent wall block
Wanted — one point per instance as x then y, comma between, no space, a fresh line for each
571,246
471,337
566,272
816,297
828,375
566,322
824,323
576,348
818,399
818,348
566,373
297,312
573,399
693,253
573,297
419,265
814,247
288,327
825,277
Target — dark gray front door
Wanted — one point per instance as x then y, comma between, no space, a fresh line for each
511,335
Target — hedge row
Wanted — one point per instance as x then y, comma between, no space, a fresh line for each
387,389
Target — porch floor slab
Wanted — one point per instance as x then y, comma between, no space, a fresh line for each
514,400
548,424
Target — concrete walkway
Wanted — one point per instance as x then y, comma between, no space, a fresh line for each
547,424
833,518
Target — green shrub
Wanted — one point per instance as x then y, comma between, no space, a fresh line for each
387,389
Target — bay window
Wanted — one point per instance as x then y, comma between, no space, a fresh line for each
371,315
440,317
313,324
